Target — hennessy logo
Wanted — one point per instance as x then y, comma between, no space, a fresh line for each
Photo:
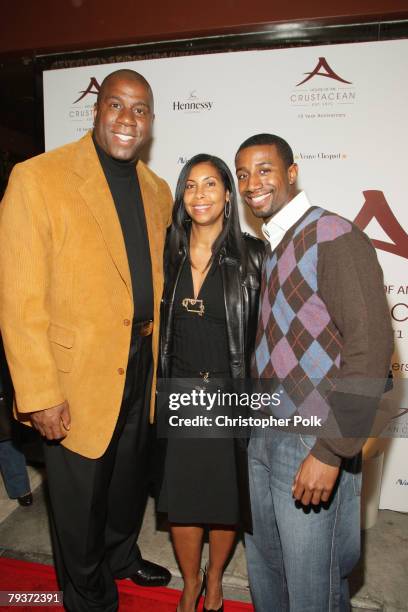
377,207
193,104
327,72
92,83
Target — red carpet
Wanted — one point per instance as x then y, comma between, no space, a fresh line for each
23,576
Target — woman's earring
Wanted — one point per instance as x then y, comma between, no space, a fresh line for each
227,209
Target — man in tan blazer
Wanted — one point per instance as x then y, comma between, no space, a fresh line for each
82,232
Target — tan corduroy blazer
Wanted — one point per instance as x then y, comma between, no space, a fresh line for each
65,288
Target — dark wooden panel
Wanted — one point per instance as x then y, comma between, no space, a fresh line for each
58,25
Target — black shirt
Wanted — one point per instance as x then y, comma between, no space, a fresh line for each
200,342
124,186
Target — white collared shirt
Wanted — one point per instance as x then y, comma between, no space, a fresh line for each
280,223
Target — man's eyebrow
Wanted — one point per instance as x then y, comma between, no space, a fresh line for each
261,163
120,98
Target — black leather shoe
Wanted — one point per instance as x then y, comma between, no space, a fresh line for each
151,575
25,500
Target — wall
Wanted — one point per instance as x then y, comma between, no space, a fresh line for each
61,25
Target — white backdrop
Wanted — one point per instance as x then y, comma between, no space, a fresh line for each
343,108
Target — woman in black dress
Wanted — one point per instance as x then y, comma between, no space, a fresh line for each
208,330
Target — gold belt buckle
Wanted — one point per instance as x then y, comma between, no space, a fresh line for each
206,378
146,328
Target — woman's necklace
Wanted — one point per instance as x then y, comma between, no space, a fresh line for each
196,305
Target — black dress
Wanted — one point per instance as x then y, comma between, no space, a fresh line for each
200,479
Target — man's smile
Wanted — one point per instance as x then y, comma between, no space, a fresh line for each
258,200
123,137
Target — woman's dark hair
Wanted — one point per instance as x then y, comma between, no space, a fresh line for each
180,230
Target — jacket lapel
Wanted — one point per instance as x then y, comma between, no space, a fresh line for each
97,196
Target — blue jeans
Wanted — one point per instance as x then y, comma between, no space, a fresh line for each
299,558
14,470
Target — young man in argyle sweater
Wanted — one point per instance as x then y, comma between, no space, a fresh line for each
323,317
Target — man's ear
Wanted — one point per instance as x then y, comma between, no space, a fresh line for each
95,111
292,173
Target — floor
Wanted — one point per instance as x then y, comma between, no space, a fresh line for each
379,583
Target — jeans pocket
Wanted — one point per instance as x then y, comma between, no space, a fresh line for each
308,441
357,482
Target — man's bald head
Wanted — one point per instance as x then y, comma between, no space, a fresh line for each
123,74
123,114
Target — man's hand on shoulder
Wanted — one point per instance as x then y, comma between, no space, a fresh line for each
314,481
52,423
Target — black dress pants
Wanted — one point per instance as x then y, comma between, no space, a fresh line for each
97,505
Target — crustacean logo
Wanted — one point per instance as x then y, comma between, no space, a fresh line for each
93,88
398,426
325,88
327,72
376,207
81,111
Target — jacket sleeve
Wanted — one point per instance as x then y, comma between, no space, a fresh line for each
350,283
256,253
25,273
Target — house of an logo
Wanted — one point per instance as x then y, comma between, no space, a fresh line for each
377,207
328,72
401,413
92,83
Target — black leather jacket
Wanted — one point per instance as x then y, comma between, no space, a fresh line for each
241,296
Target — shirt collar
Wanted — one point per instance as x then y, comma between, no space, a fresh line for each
280,223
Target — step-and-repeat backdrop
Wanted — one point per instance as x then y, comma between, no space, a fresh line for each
344,110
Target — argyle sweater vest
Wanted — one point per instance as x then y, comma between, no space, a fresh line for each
297,342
